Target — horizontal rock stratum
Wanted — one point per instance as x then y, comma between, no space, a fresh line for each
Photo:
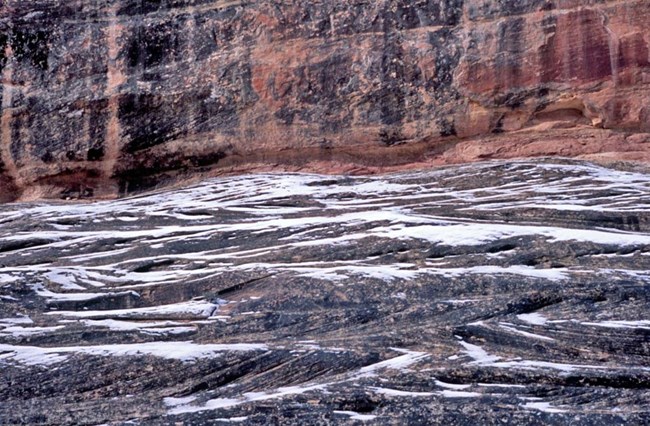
105,98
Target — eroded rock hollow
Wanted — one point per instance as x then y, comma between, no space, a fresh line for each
105,98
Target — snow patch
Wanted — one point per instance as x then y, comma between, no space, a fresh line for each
356,416
543,406
533,318
181,351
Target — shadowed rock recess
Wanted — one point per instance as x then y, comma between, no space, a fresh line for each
105,98
489,293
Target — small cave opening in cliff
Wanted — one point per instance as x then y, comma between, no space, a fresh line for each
569,115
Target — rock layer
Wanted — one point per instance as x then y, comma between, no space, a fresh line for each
104,98
493,293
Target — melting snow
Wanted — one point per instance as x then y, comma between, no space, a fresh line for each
193,308
533,318
182,351
642,324
356,416
218,403
543,406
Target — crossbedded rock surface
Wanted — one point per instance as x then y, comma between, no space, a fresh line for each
106,98
483,294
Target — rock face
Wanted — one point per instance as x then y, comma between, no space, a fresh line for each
103,98
494,293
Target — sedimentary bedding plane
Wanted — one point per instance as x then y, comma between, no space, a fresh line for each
499,291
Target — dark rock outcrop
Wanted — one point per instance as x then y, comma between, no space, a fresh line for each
494,293
104,98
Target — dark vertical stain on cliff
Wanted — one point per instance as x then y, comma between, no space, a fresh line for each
445,44
220,104
151,46
595,49
205,39
16,146
140,7
391,96
3,58
589,56
324,86
98,116
408,14
149,119
550,69
634,52
510,49
31,45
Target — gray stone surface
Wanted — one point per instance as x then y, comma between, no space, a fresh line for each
495,293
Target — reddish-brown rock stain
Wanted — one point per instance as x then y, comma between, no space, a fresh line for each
357,85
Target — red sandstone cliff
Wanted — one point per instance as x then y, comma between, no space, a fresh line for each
100,99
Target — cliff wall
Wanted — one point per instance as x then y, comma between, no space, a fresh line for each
103,98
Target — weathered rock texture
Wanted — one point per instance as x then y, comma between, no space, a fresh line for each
101,98
480,294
